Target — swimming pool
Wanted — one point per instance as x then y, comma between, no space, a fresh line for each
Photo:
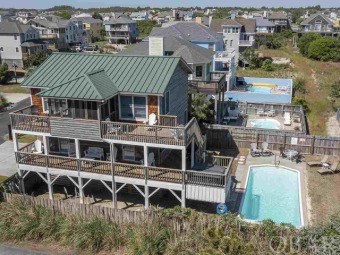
265,123
260,89
272,192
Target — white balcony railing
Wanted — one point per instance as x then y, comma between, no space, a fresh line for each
246,43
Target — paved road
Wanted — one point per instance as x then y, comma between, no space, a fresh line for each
4,118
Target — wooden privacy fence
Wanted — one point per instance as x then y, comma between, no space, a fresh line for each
338,115
224,137
65,207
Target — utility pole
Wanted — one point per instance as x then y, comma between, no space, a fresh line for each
15,72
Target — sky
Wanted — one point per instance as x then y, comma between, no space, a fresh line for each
42,4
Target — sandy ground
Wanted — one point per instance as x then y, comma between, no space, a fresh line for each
333,126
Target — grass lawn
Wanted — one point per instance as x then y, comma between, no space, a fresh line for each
12,88
324,191
319,77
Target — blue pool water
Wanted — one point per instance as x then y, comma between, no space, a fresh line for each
272,193
265,123
260,89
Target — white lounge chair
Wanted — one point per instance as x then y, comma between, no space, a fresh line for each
254,151
38,147
287,122
94,153
265,151
151,159
260,112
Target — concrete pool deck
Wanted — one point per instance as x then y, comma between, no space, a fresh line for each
241,178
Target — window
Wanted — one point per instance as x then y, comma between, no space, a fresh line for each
16,49
15,37
165,103
231,43
53,105
199,71
132,107
211,46
1,48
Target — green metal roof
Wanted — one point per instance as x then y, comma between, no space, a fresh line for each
95,85
132,74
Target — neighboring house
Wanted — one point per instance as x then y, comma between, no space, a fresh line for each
280,20
121,30
139,15
238,34
185,15
224,61
164,17
82,15
199,59
318,23
92,27
24,17
59,33
17,42
5,15
90,121
264,26
113,15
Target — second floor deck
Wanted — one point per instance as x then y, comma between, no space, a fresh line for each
166,131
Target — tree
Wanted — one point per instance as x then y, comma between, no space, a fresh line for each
306,40
35,59
3,72
3,102
200,108
324,49
145,27
64,14
299,85
299,20
102,34
252,57
96,15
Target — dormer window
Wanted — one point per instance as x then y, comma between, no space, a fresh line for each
15,37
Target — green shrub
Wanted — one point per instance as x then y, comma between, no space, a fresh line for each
267,65
324,49
299,85
305,40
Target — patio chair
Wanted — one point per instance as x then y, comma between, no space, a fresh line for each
152,120
318,163
330,170
287,121
114,129
151,159
271,113
265,151
38,147
94,153
173,133
260,112
254,151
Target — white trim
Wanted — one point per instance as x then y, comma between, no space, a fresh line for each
300,192
133,103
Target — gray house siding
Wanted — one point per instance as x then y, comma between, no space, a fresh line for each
75,128
178,88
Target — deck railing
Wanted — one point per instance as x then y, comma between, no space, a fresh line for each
193,129
27,119
143,133
127,170
168,120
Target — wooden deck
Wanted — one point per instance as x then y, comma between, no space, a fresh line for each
127,170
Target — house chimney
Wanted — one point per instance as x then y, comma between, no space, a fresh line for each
156,46
210,19
199,20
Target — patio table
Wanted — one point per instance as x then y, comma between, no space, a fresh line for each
291,154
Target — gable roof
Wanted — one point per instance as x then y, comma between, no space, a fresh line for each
50,24
187,30
277,15
261,22
190,52
312,17
249,25
120,20
88,20
94,85
133,74
13,28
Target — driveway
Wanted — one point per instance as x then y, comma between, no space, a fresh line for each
7,159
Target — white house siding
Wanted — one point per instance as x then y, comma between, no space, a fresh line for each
9,54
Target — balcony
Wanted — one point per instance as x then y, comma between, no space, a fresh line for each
166,132
246,43
134,171
48,36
